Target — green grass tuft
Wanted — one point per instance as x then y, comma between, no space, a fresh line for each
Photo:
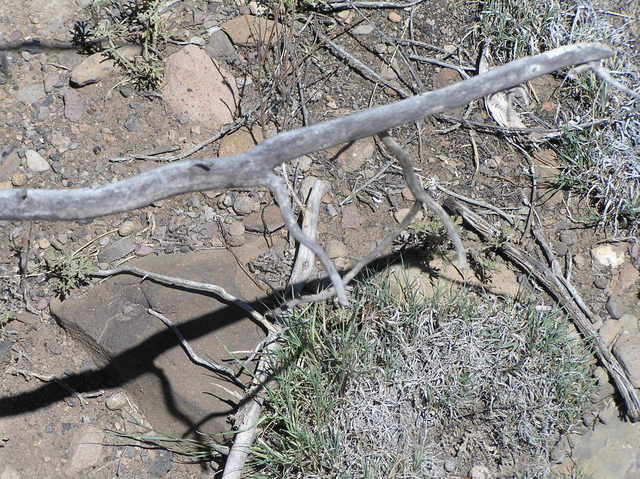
601,162
392,388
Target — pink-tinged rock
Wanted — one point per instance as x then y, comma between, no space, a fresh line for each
99,66
351,217
199,88
74,106
144,250
240,141
249,31
352,156
86,450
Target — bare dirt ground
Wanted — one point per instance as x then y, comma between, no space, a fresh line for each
56,429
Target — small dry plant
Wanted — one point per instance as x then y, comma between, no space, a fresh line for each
114,23
599,162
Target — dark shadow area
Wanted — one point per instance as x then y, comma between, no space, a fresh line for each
128,366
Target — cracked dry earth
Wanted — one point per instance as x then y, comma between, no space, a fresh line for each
76,373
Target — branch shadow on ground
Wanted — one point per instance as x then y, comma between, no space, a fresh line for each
127,366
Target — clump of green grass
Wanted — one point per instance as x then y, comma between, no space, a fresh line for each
389,388
600,161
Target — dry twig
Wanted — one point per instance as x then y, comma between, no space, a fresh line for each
423,197
191,353
195,285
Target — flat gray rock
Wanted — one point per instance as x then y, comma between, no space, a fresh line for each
177,396
610,451
31,94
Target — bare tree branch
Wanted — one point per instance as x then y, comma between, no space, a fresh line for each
250,168
279,191
423,197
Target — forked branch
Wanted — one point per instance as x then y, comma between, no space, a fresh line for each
255,167
251,168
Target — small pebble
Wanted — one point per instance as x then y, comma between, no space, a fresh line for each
394,17
363,29
144,250
450,48
494,162
43,243
407,194
235,228
244,205
548,106
130,123
116,401
126,228
227,200
401,214
303,164
35,162
450,465
579,260
615,307
346,15
601,282
236,241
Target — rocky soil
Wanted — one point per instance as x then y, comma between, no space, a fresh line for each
77,372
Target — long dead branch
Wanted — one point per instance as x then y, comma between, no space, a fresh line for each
255,167
251,168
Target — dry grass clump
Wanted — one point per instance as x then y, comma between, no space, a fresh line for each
393,388
601,161
113,23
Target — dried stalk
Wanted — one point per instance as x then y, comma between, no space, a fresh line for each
302,270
